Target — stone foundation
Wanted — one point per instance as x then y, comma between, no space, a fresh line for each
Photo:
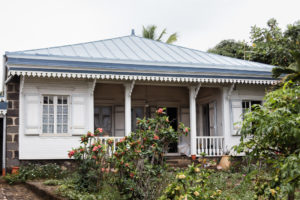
12,123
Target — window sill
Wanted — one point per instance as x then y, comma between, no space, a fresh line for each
55,134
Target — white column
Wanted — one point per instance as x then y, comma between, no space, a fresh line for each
226,116
193,127
128,90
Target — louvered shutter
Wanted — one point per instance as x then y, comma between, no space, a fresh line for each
212,119
119,121
32,114
184,143
79,114
236,115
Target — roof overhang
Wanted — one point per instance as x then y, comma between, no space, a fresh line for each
143,76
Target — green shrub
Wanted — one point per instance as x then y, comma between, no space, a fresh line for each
35,171
191,183
53,182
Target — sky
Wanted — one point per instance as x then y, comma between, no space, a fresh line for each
200,24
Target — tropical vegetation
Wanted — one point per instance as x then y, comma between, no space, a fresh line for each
150,32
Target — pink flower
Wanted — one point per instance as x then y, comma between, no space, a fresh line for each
186,130
160,111
100,130
99,146
94,157
126,165
122,139
102,169
95,148
156,137
71,153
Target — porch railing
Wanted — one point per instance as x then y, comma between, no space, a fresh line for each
103,140
210,145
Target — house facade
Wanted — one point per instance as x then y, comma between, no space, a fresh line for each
56,94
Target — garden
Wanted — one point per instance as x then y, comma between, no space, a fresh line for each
135,166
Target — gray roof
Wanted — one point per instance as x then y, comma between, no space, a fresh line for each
138,50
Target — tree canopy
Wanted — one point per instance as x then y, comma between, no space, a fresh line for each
232,48
150,32
271,132
269,45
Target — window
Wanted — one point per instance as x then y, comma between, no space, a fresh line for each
247,105
55,114
103,119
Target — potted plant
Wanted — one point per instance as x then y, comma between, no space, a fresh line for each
225,160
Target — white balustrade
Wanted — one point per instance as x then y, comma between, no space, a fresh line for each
103,140
210,145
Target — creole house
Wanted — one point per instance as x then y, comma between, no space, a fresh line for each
56,94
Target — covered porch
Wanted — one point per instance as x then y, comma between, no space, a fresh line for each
199,106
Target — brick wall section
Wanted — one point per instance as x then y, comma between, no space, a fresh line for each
12,123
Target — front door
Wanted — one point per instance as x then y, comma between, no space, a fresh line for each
172,113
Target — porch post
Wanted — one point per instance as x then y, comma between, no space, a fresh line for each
128,91
193,119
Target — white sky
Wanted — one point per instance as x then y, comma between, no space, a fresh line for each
200,23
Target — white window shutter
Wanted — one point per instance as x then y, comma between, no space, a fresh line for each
213,118
119,121
79,114
184,143
236,115
32,114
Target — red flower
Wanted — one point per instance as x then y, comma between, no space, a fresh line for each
156,137
131,175
81,150
100,130
126,165
145,139
160,111
71,153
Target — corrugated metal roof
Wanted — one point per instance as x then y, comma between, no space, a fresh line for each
134,49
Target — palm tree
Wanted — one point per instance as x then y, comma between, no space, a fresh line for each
292,72
150,33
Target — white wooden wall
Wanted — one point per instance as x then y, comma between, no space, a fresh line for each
33,144
232,109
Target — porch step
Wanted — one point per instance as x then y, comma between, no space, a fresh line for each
178,161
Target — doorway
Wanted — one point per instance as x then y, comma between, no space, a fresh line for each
172,114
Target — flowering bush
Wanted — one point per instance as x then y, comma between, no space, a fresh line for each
139,157
92,158
191,184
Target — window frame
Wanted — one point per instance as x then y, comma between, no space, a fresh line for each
244,110
55,105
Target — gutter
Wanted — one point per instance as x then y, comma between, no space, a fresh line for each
4,147
4,118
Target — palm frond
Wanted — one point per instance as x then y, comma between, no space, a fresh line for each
172,38
161,34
